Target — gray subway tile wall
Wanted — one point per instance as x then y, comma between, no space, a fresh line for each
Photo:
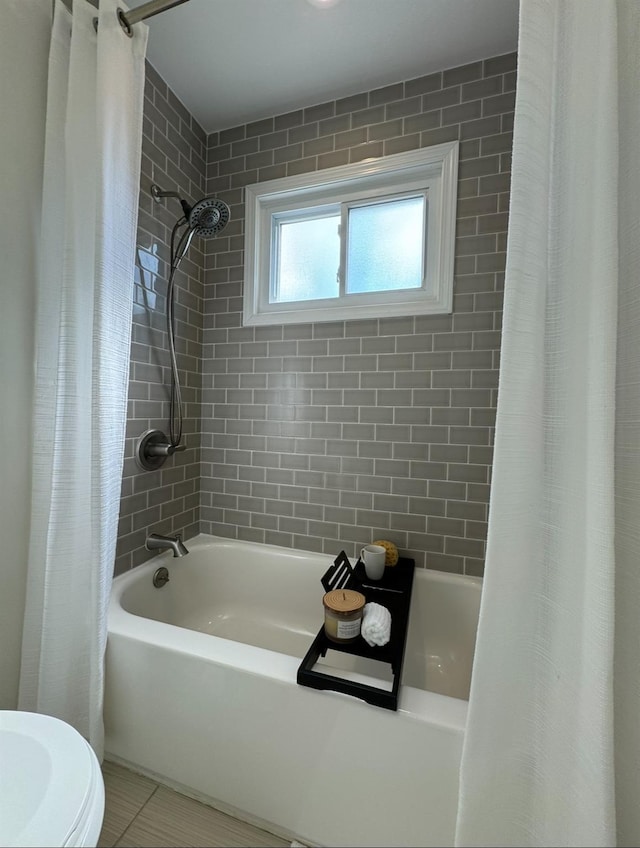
166,500
327,436
322,435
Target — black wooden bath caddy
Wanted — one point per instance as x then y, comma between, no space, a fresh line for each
392,591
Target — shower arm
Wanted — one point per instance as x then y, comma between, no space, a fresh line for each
158,194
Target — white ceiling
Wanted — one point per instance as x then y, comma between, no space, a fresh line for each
236,61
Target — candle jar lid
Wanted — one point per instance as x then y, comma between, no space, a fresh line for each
343,600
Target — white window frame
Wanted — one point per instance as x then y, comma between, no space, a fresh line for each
432,170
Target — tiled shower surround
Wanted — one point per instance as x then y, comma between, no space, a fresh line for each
329,435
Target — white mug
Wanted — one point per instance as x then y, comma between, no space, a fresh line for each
373,557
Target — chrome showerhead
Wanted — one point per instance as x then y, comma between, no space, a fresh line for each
209,216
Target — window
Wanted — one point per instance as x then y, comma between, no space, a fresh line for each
359,241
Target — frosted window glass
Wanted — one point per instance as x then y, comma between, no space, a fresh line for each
386,246
309,259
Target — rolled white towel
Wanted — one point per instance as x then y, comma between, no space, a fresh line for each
376,624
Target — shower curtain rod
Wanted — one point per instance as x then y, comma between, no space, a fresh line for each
134,16
147,10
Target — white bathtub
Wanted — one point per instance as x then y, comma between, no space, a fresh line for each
201,693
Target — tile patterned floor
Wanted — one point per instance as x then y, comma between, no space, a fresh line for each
140,813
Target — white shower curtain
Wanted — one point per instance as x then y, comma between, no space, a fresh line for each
83,326
561,599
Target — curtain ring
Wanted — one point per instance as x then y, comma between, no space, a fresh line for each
122,20
124,23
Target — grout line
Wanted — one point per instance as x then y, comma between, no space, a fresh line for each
122,835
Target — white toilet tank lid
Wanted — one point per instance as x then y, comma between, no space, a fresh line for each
48,777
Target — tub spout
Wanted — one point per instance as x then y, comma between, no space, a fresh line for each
156,542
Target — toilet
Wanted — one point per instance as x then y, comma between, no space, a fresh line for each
51,787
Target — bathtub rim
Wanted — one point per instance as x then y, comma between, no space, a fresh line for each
422,705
